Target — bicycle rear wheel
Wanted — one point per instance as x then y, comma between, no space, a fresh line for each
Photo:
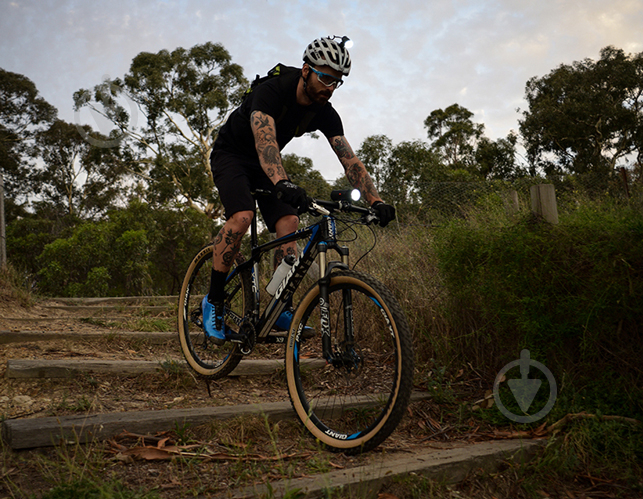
353,405
203,356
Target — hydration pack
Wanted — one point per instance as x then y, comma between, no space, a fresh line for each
281,70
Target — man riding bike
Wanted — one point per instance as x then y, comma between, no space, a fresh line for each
246,156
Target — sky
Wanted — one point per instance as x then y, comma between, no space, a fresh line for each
410,57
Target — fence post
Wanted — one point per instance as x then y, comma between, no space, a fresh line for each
543,202
512,205
3,235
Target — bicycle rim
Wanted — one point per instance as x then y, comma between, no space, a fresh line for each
355,407
203,356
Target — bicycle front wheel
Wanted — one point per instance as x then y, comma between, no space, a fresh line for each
354,403
203,356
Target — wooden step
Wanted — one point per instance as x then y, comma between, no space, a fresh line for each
32,336
69,368
44,432
116,300
100,309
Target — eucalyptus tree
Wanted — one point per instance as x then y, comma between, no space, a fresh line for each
170,106
454,136
23,113
75,177
586,117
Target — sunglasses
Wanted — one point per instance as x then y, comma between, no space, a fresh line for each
326,79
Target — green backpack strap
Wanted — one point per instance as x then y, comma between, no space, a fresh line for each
278,70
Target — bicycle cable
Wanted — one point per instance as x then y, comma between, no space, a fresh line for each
349,224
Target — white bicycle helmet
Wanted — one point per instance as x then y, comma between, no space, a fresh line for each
328,52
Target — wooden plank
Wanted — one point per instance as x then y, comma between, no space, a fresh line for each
118,300
444,465
32,336
100,309
69,368
45,432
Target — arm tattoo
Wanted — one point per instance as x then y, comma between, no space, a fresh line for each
342,149
355,169
263,129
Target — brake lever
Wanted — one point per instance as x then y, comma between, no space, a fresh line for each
370,218
319,209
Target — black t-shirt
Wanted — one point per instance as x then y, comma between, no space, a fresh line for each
277,98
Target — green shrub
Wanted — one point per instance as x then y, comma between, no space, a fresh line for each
570,293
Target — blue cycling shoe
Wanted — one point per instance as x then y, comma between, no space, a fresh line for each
285,320
213,321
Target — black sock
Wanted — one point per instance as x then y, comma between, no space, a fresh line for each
217,286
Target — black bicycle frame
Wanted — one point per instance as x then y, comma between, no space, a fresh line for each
321,236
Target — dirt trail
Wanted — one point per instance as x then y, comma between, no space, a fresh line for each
129,331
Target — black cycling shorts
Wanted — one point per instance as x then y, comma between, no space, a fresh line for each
236,177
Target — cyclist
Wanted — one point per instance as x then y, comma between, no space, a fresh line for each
246,155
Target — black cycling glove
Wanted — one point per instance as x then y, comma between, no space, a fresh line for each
292,194
385,212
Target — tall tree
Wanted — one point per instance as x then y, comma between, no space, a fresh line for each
76,178
23,112
587,116
375,153
496,160
411,166
184,96
454,136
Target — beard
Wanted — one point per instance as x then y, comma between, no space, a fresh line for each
323,96
320,97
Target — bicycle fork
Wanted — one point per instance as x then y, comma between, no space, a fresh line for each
342,354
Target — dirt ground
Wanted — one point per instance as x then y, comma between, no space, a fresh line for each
232,454
285,443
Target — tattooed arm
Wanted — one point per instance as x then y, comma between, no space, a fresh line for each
355,169
264,131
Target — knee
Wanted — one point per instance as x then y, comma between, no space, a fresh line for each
240,221
287,224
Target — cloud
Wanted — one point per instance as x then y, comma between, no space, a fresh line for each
410,56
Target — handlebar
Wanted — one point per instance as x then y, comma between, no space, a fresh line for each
324,207
338,203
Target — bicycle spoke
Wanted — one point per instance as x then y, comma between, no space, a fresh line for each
357,396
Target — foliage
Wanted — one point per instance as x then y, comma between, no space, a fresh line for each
591,448
571,293
12,288
454,136
23,112
375,153
586,116
77,178
135,251
183,97
95,489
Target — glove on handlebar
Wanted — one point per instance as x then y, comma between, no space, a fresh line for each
385,212
292,194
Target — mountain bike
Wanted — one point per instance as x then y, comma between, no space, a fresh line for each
346,321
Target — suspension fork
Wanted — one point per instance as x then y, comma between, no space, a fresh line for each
324,307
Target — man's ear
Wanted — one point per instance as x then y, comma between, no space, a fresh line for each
305,69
